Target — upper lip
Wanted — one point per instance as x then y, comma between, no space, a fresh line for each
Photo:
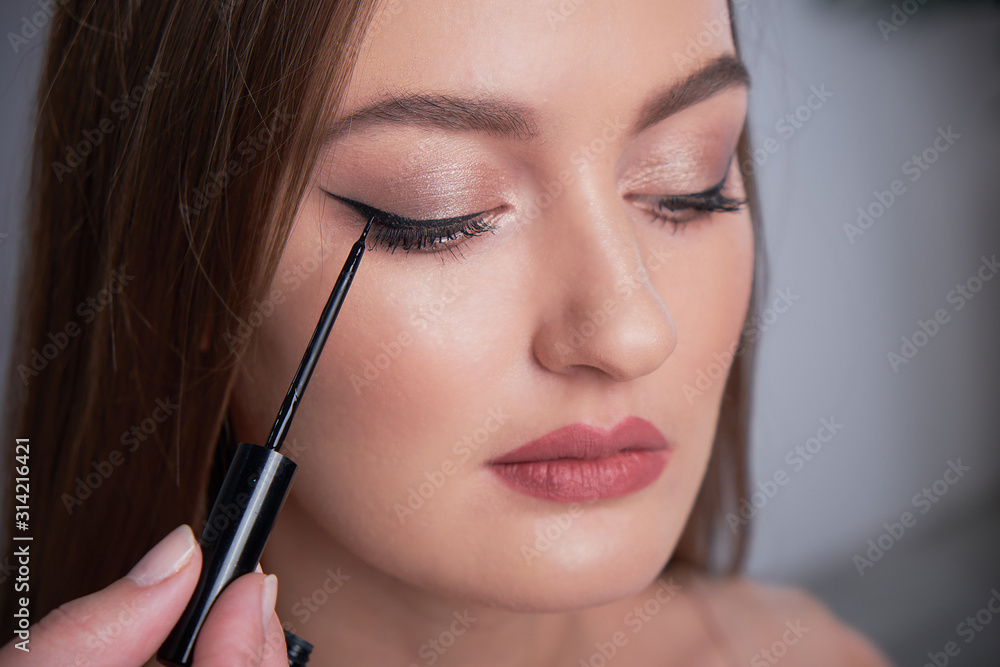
583,441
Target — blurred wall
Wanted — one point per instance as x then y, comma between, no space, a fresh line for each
848,99
20,67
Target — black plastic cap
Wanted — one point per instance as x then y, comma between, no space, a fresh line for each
298,649
233,539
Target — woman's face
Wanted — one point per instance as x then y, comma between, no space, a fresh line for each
579,297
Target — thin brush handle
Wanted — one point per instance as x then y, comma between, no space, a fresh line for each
250,498
316,343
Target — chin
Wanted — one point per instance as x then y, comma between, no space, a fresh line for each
548,587
585,556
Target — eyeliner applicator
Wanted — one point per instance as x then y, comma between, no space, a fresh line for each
251,496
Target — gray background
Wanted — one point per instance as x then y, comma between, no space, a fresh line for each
827,355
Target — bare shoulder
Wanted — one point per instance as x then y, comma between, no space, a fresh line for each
762,624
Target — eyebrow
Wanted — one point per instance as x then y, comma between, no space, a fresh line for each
722,73
497,117
507,119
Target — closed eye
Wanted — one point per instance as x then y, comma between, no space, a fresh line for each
684,208
392,231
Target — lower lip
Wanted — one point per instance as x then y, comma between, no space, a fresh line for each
584,480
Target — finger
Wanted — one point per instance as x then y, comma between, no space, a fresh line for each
275,650
124,624
233,633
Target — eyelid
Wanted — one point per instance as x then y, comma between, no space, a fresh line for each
693,196
402,222
714,190
670,174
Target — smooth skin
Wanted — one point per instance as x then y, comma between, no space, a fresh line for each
397,545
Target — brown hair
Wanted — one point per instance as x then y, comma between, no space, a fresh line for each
710,541
172,146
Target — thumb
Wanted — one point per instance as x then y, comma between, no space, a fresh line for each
241,629
124,624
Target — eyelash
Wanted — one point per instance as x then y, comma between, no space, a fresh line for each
699,205
393,232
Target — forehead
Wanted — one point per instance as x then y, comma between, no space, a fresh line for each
551,54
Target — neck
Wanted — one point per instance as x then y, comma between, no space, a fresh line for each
355,614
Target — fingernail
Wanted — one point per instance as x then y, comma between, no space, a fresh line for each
171,554
268,596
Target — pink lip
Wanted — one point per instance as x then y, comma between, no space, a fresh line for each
580,463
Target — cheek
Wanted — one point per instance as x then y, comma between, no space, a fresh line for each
407,399
427,374
706,283
712,301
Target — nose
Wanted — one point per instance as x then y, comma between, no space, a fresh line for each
602,314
